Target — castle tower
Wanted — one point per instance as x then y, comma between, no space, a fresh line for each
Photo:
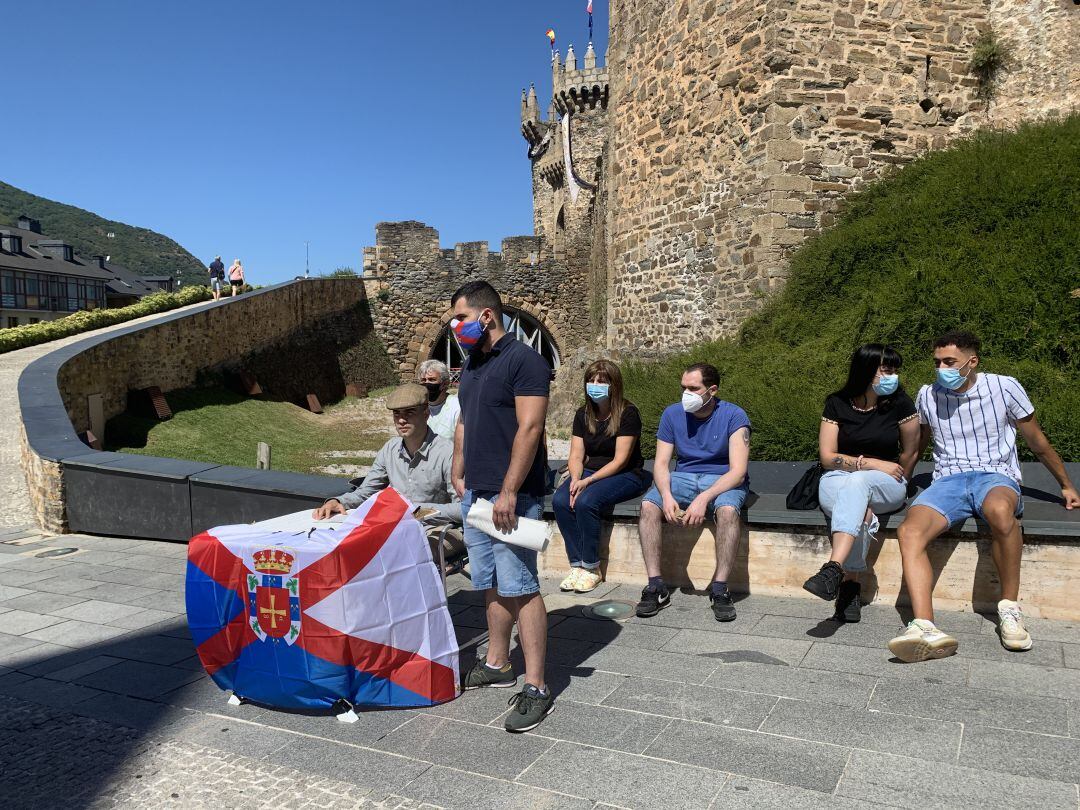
567,152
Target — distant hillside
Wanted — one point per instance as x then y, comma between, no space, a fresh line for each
139,249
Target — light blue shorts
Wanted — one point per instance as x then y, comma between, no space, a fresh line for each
495,564
687,486
959,497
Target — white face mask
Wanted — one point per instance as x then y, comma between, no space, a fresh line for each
692,403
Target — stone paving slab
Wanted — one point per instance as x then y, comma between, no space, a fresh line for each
780,708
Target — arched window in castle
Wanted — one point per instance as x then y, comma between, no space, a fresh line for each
528,330
559,243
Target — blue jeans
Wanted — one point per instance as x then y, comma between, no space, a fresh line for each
960,496
495,564
687,486
580,526
844,497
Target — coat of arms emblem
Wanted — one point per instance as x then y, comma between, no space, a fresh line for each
274,596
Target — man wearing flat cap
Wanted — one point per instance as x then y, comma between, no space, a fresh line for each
416,463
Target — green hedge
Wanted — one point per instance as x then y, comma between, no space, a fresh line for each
983,236
19,337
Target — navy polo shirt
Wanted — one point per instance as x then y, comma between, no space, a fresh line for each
489,383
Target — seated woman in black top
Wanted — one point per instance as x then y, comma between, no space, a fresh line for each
868,444
605,469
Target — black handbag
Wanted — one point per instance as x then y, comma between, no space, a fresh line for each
803,495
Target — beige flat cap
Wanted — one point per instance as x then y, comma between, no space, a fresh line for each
408,395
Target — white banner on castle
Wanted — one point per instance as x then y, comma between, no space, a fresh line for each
571,181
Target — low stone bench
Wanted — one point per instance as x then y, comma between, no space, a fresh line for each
780,548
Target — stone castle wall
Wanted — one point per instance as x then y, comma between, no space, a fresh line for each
737,127
411,279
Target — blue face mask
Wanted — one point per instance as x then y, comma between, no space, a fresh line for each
951,378
469,333
597,392
886,384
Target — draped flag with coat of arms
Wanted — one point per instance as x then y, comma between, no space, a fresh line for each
303,620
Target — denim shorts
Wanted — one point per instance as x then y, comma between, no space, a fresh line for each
687,486
959,497
495,564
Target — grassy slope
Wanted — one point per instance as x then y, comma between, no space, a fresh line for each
139,249
984,236
217,426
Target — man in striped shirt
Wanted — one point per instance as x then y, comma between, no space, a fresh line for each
973,418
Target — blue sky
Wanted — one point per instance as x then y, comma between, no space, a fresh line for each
245,127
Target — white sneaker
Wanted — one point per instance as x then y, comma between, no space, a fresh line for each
921,641
1014,636
588,580
571,580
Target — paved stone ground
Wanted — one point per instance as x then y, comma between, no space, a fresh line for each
103,704
14,500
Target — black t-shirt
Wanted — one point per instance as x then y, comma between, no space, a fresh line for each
876,433
489,383
600,448
217,269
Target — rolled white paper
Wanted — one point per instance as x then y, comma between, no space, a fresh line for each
531,534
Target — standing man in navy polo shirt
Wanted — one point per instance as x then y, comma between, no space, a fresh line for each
499,456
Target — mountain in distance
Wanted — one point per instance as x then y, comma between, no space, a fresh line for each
138,249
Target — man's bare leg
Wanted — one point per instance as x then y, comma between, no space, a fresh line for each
1007,546
500,621
649,527
532,630
921,525
728,529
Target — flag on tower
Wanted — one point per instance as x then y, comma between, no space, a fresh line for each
551,36
588,10
300,620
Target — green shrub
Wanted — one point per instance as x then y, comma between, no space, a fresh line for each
984,236
19,337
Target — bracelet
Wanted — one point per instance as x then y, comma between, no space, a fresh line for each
859,463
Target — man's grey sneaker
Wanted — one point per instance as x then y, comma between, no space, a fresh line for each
483,675
826,582
529,708
652,602
921,641
1014,636
722,607
849,602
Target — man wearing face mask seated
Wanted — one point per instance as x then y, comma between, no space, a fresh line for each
711,440
973,417
444,410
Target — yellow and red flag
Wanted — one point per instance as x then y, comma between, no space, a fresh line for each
551,36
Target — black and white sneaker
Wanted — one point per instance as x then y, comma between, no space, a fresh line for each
849,603
826,582
722,607
652,601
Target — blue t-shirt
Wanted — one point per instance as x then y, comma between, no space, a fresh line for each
701,445
489,384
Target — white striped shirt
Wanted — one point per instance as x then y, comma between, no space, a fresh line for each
975,431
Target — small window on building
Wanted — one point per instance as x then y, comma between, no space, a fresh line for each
12,322
35,320
560,236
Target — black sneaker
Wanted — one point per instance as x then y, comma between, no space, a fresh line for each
483,675
530,707
849,602
652,602
826,582
722,607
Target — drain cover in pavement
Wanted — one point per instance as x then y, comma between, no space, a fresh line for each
56,552
608,610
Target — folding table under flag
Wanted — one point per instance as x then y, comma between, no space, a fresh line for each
306,619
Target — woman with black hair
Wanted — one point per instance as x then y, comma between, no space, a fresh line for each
868,445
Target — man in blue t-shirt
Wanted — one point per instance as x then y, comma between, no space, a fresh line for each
711,439
499,455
